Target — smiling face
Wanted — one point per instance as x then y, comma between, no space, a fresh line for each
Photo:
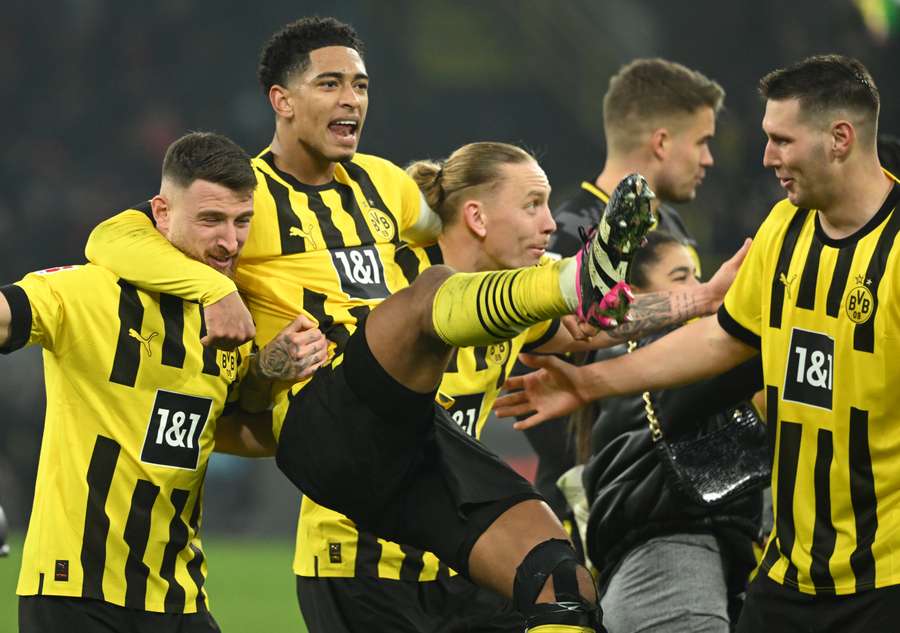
206,221
687,157
797,150
328,103
517,219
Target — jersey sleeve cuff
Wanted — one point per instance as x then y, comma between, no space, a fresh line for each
552,329
737,330
20,325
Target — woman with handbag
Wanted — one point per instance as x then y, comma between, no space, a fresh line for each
673,485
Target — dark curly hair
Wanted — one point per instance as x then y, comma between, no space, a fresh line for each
287,51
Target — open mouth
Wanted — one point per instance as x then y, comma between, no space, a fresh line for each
220,263
345,130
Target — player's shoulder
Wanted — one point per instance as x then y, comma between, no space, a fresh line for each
586,202
781,214
377,167
75,284
78,275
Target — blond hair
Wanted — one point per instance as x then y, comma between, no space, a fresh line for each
474,165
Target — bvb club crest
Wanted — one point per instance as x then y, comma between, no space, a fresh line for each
859,302
498,353
381,224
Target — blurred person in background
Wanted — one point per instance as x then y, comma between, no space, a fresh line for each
658,119
134,406
817,297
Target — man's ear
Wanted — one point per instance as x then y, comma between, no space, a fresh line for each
473,216
281,102
659,143
161,208
843,138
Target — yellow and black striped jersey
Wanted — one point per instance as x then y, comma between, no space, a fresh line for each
132,403
328,544
826,315
332,251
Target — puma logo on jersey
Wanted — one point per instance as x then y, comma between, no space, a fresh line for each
145,342
787,282
296,231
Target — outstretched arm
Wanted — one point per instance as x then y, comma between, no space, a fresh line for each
653,311
693,352
129,245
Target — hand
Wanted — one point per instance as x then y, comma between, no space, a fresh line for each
578,330
228,323
719,284
552,391
296,353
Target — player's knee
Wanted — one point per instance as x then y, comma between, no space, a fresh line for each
430,279
553,587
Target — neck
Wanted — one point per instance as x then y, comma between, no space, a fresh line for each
858,195
296,160
616,169
459,254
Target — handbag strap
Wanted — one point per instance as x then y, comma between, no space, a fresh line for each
655,428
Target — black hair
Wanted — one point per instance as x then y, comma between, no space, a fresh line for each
287,51
823,83
211,157
647,255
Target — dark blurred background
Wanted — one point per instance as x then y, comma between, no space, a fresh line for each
94,91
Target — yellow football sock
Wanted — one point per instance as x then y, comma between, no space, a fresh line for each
488,307
561,628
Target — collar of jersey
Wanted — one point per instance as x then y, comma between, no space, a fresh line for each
269,159
874,222
595,191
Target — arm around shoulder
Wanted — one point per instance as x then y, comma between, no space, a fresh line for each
129,245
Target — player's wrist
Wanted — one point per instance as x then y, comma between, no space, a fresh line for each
707,299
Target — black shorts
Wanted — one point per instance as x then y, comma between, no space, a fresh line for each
52,614
357,441
774,608
450,604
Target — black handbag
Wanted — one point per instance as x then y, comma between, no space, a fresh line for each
719,465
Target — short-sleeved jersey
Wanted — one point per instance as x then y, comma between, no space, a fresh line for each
328,544
132,403
584,210
333,251
825,314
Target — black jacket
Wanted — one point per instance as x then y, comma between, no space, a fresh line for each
630,498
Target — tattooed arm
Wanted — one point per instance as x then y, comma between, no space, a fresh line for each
656,310
651,312
698,350
294,354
